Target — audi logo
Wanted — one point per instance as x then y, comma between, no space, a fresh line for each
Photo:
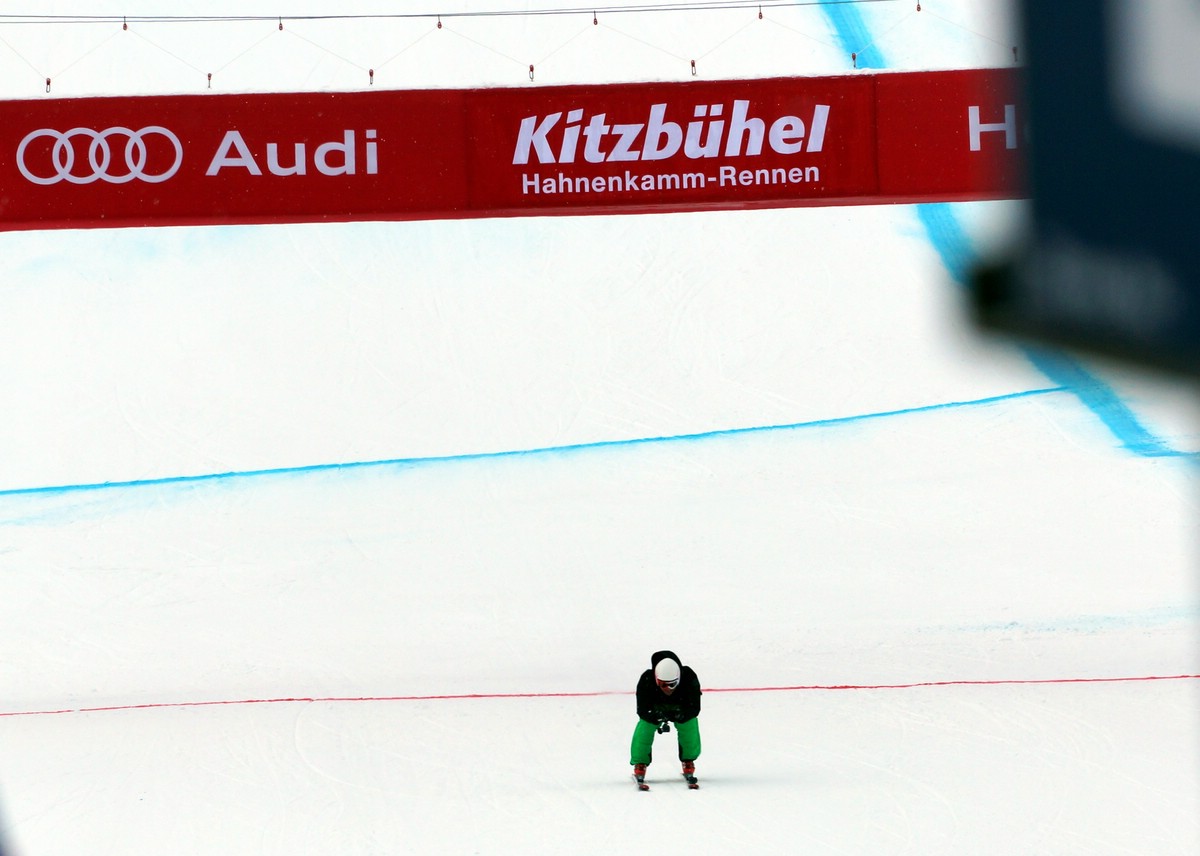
99,155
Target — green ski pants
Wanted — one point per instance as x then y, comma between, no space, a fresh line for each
643,740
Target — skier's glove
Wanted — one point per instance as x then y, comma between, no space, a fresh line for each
664,727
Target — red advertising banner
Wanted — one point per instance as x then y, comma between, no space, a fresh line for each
429,154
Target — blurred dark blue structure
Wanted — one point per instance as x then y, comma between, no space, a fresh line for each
1113,261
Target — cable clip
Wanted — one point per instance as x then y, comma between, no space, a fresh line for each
531,72
854,59
47,84
371,74
210,80
693,68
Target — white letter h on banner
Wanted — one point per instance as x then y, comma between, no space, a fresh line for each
1008,126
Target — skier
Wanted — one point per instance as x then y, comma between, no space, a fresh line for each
667,692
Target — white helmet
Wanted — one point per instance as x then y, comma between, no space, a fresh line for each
667,671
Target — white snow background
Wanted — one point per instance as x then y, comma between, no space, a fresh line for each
355,538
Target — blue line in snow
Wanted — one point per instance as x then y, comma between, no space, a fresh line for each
576,447
1141,620
952,243
1102,400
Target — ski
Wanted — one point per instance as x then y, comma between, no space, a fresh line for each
639,776
692,782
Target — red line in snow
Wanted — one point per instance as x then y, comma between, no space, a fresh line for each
464,696
304,699
958,683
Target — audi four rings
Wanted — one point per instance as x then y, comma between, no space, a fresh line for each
99,155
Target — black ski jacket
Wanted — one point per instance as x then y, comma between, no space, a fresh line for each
653,705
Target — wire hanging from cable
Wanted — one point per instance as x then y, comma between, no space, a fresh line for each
622,8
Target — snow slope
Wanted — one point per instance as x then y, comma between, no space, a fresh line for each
355,538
